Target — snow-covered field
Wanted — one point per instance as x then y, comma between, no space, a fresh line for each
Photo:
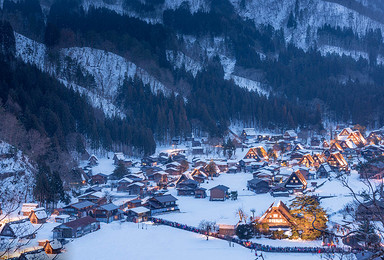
130,241
193,211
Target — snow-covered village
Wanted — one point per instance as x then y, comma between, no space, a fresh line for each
192,129
251,196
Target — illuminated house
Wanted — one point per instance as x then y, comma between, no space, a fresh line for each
307,160
296,181
325,144
337,161
257,153
298,147
290,135
38,216
319,159
355,136
248,133
335,147
199,176
278,218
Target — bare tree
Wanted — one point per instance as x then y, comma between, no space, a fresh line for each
208,227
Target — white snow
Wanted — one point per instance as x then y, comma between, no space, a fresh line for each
179,59
158,242
356,55
250,85
108,70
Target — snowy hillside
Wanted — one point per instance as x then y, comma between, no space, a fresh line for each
107,69
16,173
312,14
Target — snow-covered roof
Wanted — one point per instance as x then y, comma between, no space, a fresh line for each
125,179
35,256
250,131
64,216
22,228
28,207
119,156
137,184
40,213
140,210
55,244
290,133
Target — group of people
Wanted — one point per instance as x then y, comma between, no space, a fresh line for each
249,244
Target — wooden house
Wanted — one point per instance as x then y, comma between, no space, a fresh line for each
280,191
34,255
199,176
27,208
93,160
211,169
108,213
149,161
347,144
160,177
227,230
18,229
97,197
307,160
122,184
257,153
173,171
373,170
219,192
319,159
138,214
76,228
99,178
136,188
325,144
38,216
187,187
80,209
298,147
248,134
118,158
296,181
337,161
372,210
324,171
53,247
277,218
200,193
290,135
62,218
134,203
372,151
162,204
375,137
258,185
335,147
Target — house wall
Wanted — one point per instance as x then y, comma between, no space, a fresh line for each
217,194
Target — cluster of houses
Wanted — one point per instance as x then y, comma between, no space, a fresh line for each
281,165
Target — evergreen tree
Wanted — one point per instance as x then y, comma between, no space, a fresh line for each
120,171
245,231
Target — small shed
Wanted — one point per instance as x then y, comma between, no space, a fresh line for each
62,218
53,247
38,216
219,192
